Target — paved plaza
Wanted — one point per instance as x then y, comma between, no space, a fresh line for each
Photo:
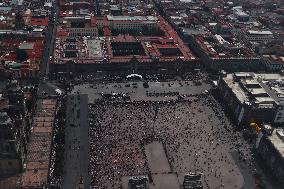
166,140
157,159
138,92
77,143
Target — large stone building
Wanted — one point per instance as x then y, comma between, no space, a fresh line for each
253,97
9,146
137,23
270,148
221,53
79,26
259,36
13,131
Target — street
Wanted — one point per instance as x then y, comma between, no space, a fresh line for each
49,41
76,157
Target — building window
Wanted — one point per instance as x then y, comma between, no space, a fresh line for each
278,118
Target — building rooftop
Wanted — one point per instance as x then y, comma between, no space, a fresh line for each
262,89
26,45
35,174
132,18
164,45
236,88
85,50
254,32
218,47
94,47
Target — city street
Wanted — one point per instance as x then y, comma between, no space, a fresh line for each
76,159
49,41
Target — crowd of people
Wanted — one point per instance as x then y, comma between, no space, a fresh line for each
115,150
195,132
120,77
57,153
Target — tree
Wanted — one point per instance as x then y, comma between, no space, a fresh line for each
21,55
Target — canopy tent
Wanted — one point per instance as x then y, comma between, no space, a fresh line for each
134,76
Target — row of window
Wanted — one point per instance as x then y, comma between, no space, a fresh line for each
82,34
84,30
258,38
277,66
133,25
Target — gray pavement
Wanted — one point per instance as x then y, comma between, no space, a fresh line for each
49,41
76,161
156,157
196,134
165,181
160,168
137,92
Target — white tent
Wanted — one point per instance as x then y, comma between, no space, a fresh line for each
134,75
58,91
